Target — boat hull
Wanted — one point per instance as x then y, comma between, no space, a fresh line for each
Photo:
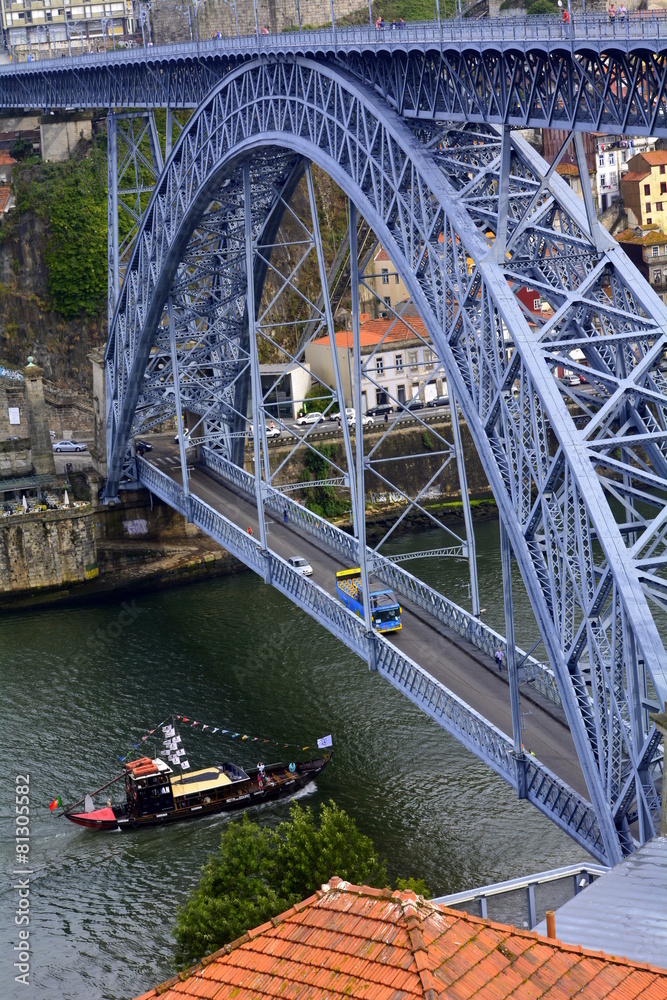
117,818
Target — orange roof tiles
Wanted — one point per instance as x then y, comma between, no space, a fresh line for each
372,332
6,158
5,195
634,175
642,237
382,255
352,942
655,156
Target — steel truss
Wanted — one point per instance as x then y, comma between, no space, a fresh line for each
470,217
590,75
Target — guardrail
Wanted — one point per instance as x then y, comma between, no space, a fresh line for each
544,789
650,27
462,622
514,901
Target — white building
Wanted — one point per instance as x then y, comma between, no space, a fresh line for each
39,29
612,155
402,367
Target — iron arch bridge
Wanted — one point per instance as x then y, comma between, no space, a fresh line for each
469,215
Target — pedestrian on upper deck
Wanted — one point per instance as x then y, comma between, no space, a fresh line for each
622,12
401,22
394,25
611,12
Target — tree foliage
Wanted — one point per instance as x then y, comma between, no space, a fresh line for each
71,198
258,873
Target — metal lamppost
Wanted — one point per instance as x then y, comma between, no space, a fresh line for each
105,21
370,13
254,7
298,14
186,10
145,21
38,31
195,6
333,20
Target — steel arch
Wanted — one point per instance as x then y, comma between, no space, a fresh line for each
430,204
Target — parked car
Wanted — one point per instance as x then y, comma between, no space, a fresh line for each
415,403
366,420
310,418
572,380
380,410
67,445
439,401
301,565
273,432
349,412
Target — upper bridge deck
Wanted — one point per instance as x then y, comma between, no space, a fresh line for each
525,71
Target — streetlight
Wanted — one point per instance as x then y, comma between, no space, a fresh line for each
145,21
105,21
38,31
186,10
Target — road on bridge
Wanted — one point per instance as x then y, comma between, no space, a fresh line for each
423,639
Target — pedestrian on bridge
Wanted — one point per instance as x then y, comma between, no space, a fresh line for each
499,659
285,515
611,12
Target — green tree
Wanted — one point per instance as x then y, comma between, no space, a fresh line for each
22,149
258,873
317,399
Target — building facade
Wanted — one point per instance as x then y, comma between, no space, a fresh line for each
35,29
399,361
612,156
385,286
644,189
647,249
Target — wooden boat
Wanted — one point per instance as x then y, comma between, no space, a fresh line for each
156,795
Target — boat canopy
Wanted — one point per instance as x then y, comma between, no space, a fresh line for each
200,781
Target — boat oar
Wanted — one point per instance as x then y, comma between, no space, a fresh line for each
96,792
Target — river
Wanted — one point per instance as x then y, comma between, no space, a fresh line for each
80,684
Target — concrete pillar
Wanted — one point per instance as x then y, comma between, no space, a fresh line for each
38,423
98,450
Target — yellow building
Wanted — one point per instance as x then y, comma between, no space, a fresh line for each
644,189
383,278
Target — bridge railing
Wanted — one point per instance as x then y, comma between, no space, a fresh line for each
594,27
460,621
543,788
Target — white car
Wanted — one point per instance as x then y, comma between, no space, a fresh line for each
273,432
301,565
349,414
310,418
366,420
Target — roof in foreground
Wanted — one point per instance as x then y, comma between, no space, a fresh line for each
623,911
347,941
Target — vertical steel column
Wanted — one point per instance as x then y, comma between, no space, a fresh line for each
505,557
112,202
345,427
465,500
585,181
169,128
179,411
500,244
360,490
255,381
156,149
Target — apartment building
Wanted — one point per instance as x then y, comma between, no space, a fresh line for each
613,154
39,29
385,281
644,189
646,247
399,364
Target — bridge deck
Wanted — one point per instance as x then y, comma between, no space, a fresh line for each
462,669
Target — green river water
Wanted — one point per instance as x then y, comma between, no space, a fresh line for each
80,684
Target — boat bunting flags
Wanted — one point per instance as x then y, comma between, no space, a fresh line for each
171,739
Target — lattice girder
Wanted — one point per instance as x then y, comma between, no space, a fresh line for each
538,456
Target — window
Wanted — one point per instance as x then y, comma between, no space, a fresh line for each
662,168
647,189
400,393
611,159
655,251
428,359
387,300
648,222
398,362
385,272
658,206
657,278
648,206
379,366
663,187
601,160
412,359
396,278
603,180
536,305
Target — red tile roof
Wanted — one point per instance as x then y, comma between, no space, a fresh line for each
642,237
372,944
6,158
655,156
382,255
634,175
372,332
5,195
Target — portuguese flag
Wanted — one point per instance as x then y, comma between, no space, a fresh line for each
56,804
